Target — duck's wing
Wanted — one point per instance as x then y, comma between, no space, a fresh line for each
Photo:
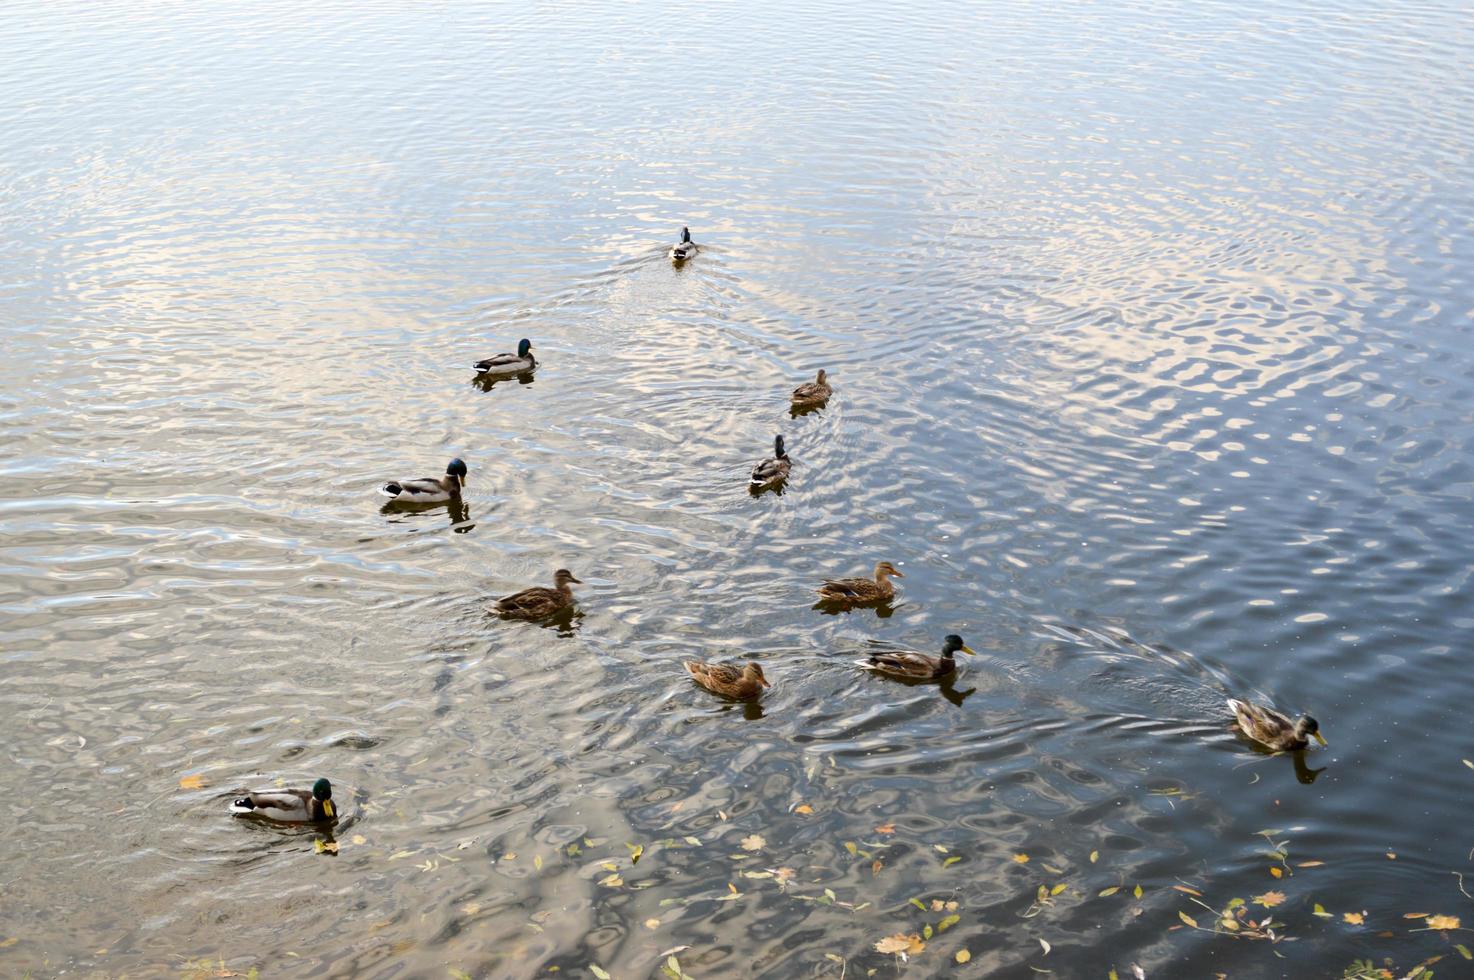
769,470
506,362
527,600
1264,724
903,663
810,392
848,588
422,489
284,804
716,676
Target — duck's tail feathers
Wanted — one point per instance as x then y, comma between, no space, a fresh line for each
391,489
867,663
1237,706
242,805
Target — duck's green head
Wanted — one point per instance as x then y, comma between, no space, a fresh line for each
322,791
952,643
457,469
523,346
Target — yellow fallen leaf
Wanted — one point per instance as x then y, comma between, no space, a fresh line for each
1094,856
1021,858
537,861
1107,892
325,846
850,846
1320,910
963,956
1188,919
470,909
1310,864
1269,899
900,943
1189,891
948,862
611,881
783,874
1045,944
8,942
753,842
635,851
1391,856
1416,915
1443,922
192,782
886,828
1274,870
1137,891
948,922
509,856
1355,918
360,839
1058,888
652,923
803,808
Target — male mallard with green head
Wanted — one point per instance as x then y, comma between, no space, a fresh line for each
539,603
518,363
290,805
1272,729
918,666
429,490
683,249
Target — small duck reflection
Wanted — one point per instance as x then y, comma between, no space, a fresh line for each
486,382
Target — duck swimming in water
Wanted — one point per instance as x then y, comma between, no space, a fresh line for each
518,363
813,393
744,683
773,471
1272,729
859,591
683,249
429,490
539,602
918,666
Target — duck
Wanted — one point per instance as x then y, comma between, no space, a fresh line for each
290,805
1270,728
518,363
857,591
683,249
744,683
429,490
918,666
539,603
771,472
814,392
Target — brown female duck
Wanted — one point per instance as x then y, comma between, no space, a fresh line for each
742,683
858,591
1272,729
539,603
813,393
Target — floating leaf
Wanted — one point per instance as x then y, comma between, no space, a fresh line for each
803,808
599,971
1443,922
962,956
948,922
1355,918
609,866
196,781
1320,910
900,943
926,932
1416,915
1468,763
757,874
1053,870
1275,870
1107,892
951,861
360,839
886,828
693,841
537,861
1137,891
1021,858
849,845
652,923
325,846
1391,856
1057,889
1188,919
611,881
875,867
939,848
1045,944
1310,864
918,903
1270,899
1464,951
636,850
1189,891
753,842
784,874
1094,856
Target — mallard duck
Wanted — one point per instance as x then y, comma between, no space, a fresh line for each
290,805
856,591
771,472
815,392
429,490
683,249
917,666
1270,728
743,683
518,363
539,603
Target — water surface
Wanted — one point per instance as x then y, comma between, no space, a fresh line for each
1149,328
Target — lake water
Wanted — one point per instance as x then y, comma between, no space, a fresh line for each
1149,327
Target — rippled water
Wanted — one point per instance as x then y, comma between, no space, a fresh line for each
1150,333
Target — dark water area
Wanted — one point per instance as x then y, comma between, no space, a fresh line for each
1149,328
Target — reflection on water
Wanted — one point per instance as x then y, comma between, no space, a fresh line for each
1150,331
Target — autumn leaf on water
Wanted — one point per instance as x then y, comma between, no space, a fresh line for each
1189,891
1045,944
886,828
636,850
803,808
1269,899
948,922
1320,910
325,846
1137,891
1094,856
1464,951
850,846
1057,889
1275,871
196,781
611,881
1189,920
599,971
901,943
1108,892
1355,918
753,842
962,956
875,867
537,861
951,861
1310,864
360,839
1021,858
1443,922
783,874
